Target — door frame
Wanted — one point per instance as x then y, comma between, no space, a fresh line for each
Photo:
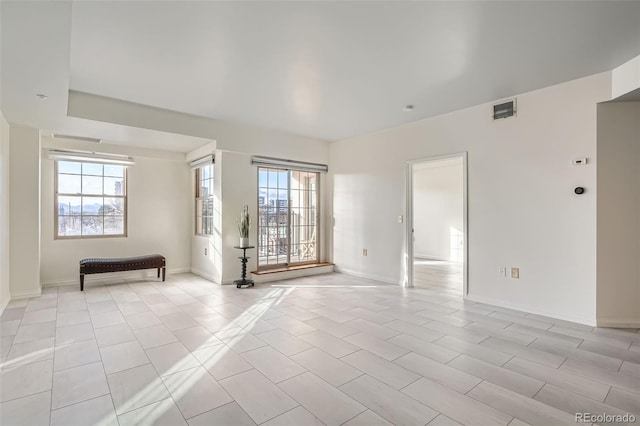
409,249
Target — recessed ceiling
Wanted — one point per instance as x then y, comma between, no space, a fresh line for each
328,70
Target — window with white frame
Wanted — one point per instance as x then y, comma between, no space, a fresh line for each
204,199
90,200
287,217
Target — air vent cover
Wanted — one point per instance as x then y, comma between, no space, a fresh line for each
504,109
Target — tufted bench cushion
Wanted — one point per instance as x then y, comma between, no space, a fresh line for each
99,266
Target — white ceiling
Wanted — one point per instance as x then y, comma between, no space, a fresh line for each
329,70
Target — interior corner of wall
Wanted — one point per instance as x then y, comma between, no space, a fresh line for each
3,304
616,322
207,149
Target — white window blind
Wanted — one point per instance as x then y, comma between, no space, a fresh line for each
288,164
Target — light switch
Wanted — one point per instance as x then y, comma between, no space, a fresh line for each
578,161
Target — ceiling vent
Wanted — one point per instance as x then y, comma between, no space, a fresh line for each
504,109
76,138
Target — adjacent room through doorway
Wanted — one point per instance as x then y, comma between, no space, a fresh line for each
438,195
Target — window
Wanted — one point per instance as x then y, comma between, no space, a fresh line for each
204,200
90,200
288,217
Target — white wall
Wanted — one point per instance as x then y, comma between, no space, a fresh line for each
522,209
5,293
159,217
240,184
24,211
239,188
437,210
618,215
236,184
229,138
626,78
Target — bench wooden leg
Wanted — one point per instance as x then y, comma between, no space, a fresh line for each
158,272
81,282
164,271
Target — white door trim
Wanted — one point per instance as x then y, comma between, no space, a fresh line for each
408,281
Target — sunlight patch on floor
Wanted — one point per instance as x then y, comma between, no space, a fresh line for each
234,333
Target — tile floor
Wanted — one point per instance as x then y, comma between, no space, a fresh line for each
330,349
437,274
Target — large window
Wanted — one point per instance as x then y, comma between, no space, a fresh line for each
288,217
204,200
90,200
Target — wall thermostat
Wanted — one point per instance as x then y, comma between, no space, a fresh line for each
579,190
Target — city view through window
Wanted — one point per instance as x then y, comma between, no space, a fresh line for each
204,200
90,199
287,217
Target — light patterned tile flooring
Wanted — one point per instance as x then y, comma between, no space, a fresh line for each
331,349
437,274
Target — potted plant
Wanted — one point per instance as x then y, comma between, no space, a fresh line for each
244,225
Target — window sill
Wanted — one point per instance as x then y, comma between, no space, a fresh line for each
292,268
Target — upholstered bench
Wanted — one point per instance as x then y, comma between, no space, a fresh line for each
99,266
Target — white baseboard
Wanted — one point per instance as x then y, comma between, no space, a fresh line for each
108,277
386,280
530,309
296,273
205,275
618,322
178,271
17,296
428,257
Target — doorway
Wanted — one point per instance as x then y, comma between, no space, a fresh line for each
437,223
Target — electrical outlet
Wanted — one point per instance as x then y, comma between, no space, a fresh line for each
364,252
400,219
515,272
205,251
503,271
